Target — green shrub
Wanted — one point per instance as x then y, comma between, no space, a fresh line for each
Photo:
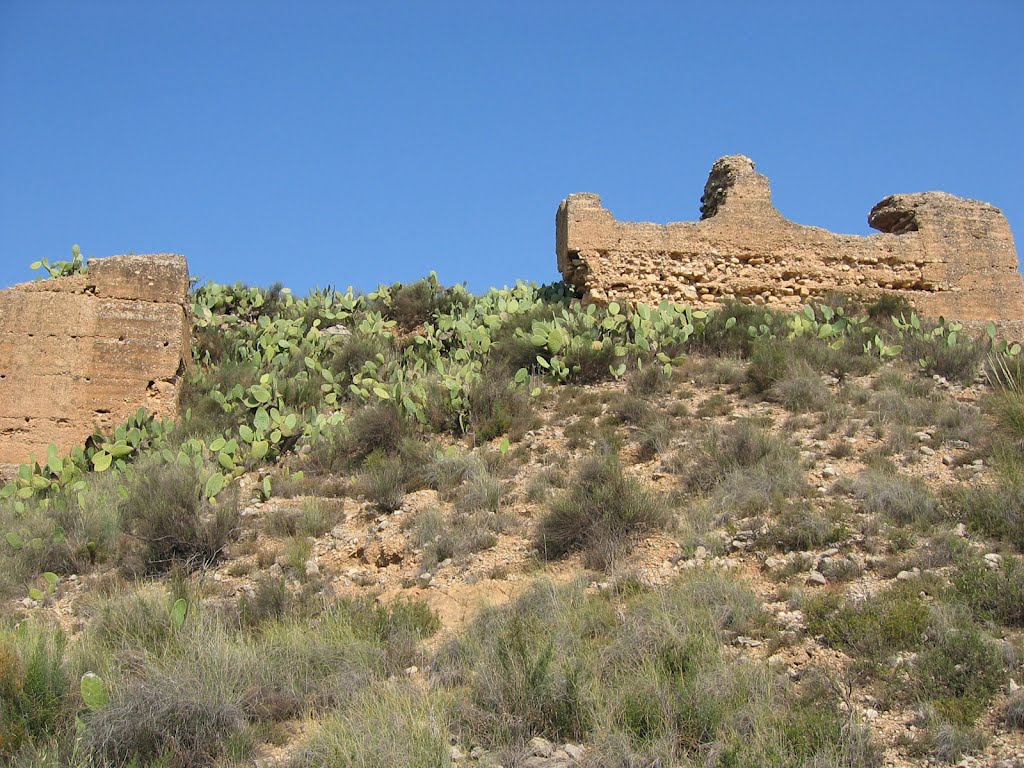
740,445
770,361
270,601
1013,710
601,512
392,725
875,628
900,498
959,362
994,511
185,722
641,679
943,740
801,527
34,696
800,389
648,381
993,594
497,407
132,620
170,521
375,428
958,670
589,365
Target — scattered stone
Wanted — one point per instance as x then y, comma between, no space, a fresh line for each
948,460
360,577
574,751
424,579
993,559
700,553
926,451
540,747
456,754
907,575
312,569
829,471
816,579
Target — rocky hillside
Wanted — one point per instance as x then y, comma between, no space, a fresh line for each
424,528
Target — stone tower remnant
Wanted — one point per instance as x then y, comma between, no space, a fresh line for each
946,255
85,351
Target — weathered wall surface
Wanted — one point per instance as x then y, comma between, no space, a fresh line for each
86,351
947,255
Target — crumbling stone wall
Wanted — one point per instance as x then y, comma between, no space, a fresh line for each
83,352
947,255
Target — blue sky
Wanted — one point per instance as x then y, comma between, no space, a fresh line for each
358,143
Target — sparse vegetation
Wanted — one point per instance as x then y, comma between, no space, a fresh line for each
204,571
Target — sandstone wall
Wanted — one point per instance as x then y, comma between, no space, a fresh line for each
84,352
947,255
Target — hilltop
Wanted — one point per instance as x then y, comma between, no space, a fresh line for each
422,527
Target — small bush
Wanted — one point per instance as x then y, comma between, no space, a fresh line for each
1013,710
354,350
480,491
994,511
602,512
34,697
132,620
648,381
800,389
375,428
541,484
891,621
887,306
641,678
769,363
186,723
958,670
801,527
270,601
588,365
454,539
947,742
900,498
632,409
747,467
498,407
959,362
993,594
170,520
392,725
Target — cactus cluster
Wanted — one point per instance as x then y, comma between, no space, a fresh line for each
74,266
439,343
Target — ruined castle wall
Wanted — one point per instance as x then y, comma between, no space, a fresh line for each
84,352
946,255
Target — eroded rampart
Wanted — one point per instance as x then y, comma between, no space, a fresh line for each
947,255
83,352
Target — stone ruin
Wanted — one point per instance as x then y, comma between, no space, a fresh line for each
85,351
946,255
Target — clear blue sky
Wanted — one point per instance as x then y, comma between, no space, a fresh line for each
358,143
